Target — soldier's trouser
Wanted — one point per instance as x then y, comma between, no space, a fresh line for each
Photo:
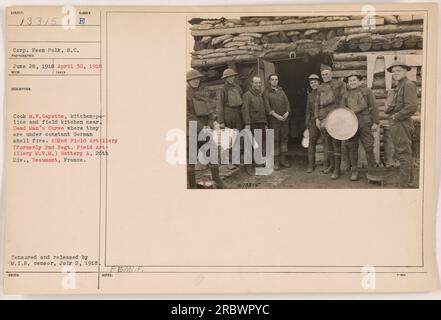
281,131
336,146
351,149
363,133
233,118
334,153
191,176
191,172
314,134
261,143
401,132
191,167
233,154
328,143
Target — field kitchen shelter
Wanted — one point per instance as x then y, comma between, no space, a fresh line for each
296,46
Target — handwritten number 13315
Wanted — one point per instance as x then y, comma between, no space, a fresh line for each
38,21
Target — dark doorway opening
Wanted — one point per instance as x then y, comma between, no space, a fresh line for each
293,78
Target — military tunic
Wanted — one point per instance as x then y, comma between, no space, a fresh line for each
198,111
197,100
277,101
254,115
229,106
402,104
330,96
253,108
362,102
314,132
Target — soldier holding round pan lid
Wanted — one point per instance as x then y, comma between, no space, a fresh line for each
330,97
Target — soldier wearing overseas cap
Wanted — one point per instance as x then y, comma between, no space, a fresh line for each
330,96
402,103
198,111
229,105
361,100
314,132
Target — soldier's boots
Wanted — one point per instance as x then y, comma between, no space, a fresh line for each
331,164
276,163
311,160
231,165
325,161
353,160
191,176
337,163
372,163
216,178
405,174
249,168
412,182
354,175
283,161
311,167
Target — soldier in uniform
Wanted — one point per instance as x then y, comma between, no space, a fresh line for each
229,106
330,96
278,110
254,113
198,111
402,104
361,100
314,132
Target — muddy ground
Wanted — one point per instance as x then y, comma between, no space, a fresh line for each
296,178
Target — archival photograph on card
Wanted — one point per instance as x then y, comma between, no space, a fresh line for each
246,150
305,101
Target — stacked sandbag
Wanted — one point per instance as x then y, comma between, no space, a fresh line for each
225,41
234,42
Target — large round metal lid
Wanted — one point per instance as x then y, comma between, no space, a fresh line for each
341,123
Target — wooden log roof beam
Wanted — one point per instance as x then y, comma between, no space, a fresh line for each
386,29
284,27
351,56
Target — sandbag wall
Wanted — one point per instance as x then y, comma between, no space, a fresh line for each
231,42
223,41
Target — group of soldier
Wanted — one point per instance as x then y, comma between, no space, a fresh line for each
327,96
269,108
